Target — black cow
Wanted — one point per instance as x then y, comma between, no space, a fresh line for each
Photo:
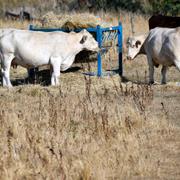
12,16
23,15
163,21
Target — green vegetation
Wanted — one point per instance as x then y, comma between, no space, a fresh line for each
15,3
166,7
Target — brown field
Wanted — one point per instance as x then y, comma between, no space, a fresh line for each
90,127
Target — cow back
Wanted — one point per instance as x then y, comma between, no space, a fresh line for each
164,21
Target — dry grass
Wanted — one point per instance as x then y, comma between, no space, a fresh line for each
86,130
92,128
14,24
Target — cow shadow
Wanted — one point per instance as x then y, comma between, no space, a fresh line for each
85,56
42,77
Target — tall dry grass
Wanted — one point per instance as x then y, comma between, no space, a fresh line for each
89,127
104,133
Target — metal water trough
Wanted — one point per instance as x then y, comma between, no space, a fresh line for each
100,37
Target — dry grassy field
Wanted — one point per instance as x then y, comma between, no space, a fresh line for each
89,127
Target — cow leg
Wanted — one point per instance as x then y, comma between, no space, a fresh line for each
5,69
163,73
177,63
151,70
55,63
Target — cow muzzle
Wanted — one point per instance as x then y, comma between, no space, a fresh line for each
97,49
129,58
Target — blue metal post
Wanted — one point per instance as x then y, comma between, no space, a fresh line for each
99,39
120,49
30,27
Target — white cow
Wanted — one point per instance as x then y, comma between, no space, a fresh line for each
33,49
161,45
5,32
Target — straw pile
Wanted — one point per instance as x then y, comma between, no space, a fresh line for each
72,21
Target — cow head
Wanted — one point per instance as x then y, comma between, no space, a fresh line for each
134,45
88,42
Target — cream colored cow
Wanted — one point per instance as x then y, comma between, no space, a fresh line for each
162,47
33,49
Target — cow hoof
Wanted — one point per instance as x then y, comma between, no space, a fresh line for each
151,82
156,83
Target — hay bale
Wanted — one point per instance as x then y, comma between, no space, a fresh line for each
72,21
50,19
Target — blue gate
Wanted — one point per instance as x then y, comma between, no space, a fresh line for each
102,34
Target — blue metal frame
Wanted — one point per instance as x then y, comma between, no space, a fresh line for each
120,43
99,35
99,40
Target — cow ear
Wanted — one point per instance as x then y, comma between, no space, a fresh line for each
84,38
138,43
